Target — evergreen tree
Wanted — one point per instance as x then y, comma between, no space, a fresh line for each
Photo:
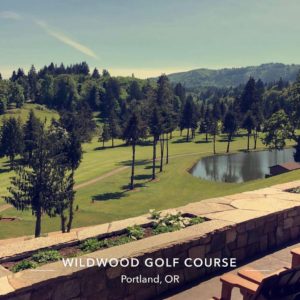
249,125
134,130
96,74
32,130
32,188
230,127
105,134
17,95
12,142
114,127
155,124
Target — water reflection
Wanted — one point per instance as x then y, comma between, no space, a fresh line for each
240,167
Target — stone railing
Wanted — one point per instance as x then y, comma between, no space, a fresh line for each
240,227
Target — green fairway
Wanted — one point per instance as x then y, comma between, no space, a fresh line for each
108,199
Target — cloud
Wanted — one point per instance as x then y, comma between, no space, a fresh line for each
10,15
66,40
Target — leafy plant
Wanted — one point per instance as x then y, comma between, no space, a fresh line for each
90,245
135,232
43,257
24,265
196,220
154,214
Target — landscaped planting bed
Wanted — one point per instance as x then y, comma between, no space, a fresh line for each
295,190
158,225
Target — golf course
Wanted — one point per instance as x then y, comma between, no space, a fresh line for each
101,181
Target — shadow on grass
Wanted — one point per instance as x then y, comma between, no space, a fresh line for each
126,187
157,166
139,162
108,196
143,177
182,140
203,142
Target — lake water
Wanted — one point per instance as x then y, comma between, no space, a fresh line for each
240,167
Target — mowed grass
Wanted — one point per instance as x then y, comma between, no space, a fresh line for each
109,199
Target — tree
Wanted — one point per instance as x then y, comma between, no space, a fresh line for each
32,187
32,81
134,130
105,134
249,96
165,103
12,142
155,124
249,125
214,129
32,130
96,74
277,130
230,126
114,127
17,95
189,116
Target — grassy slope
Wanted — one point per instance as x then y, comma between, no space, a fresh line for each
175,187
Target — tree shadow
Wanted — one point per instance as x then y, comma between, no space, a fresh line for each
139,162
203,142
157,166
182,140
108,196
143,177
106,147
145,143
126,187
4,171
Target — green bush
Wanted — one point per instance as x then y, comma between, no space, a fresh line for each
135,232
46,256
119,241
24,265
154,214
196,220
90,245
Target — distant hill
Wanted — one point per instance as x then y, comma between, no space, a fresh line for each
235,76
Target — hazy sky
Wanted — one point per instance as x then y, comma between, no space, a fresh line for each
148,37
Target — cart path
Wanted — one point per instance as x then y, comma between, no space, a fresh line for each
99,178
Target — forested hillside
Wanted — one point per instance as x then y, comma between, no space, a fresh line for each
195,79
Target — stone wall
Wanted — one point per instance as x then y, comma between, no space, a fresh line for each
211,239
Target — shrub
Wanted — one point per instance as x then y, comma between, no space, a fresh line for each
154,214
196,220
135,232
90,245
119,241
43,257
24,265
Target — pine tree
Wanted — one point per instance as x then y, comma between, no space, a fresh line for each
155,124
230,127
32,130
32,187
105,134
249,125
134,130
12,141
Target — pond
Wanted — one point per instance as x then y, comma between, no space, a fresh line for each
240,167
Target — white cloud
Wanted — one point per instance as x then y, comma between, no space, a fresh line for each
10,15
66,40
